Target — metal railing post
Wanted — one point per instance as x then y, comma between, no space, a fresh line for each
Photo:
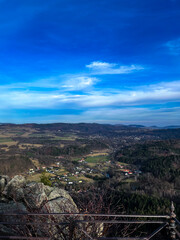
172,223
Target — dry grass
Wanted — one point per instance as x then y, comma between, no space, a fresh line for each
123,164
36,163
24,145
62,171
92,164
7,134
36,177
73,138
86,179
5,148
81,178
28,132
3,135
97,154
23,132
9,143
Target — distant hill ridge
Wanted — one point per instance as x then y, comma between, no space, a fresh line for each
82,125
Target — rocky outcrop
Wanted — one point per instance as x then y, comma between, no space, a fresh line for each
18,196
3,182
14,188
34,195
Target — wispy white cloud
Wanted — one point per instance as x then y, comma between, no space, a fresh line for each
174,46
151,94
101,65
73,82
100,68
79,82
64,82
29,99
105,106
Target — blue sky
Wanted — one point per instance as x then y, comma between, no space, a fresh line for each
105,61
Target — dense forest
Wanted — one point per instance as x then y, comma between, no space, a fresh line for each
160,158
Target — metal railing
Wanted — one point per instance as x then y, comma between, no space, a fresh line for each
89,226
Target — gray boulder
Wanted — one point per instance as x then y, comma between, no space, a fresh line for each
34,195
54,192
60,205
3,182
14,188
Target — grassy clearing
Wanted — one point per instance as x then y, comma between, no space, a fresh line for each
129,180
92,164
19,133
72,138
104,169
53,137
28,132
3,135
39,135
35,162
86,179
12,143
123,164
62,171
81,178
7,134
76,159
36,177
97,154
15,133
69,135
4,139
97,159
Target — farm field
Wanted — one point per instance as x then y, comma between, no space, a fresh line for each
96,159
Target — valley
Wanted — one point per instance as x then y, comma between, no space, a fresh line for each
124,159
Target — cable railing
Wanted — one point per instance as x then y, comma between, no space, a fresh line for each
85,226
